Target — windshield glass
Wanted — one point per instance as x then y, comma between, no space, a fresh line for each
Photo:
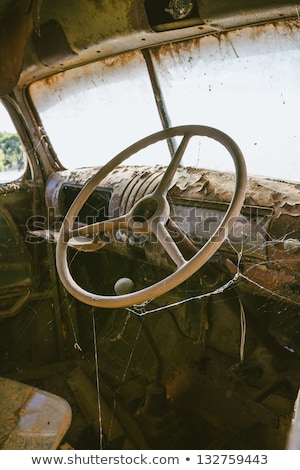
244,82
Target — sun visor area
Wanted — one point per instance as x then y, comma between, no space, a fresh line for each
40,37
18,19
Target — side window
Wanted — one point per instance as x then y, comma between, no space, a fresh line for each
12,159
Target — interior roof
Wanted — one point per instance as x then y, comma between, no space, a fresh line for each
40,37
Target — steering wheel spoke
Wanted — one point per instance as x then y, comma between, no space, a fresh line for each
97,228
169,245
166,181
81,243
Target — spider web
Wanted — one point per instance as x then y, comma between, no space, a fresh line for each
146,309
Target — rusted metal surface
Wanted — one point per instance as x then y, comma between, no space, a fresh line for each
31,418
190,183
17,23
107,34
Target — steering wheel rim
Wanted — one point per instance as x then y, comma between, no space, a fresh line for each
185,268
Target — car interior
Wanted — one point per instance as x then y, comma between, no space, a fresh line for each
150,240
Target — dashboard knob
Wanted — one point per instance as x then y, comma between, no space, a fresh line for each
124,285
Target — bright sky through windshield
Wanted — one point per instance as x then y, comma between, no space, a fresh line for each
5,122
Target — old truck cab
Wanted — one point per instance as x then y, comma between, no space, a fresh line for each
149,224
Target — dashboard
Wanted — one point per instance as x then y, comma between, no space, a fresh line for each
263,243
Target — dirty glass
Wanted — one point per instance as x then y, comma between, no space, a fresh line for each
243,82
93,112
